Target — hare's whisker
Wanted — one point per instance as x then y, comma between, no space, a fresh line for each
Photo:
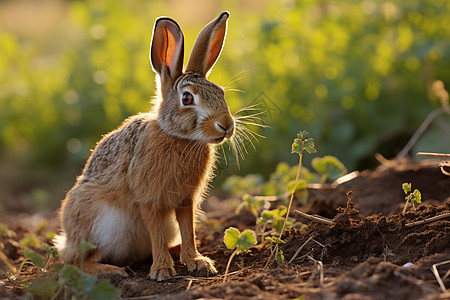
253,123
249,108
233,90
244,134
235,78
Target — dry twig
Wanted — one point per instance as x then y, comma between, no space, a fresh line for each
315,218
428,220
434,155
436,274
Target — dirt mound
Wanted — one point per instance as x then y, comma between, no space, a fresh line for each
370,250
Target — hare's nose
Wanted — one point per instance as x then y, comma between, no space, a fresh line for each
225,125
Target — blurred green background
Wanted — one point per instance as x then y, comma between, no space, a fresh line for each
356,74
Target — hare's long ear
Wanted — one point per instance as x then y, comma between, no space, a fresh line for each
167,49
208,45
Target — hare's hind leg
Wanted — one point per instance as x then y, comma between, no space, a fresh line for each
92,265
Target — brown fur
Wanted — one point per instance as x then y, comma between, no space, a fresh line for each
140,189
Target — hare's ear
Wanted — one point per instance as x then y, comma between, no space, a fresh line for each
167,48
208,45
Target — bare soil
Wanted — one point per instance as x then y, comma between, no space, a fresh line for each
369,252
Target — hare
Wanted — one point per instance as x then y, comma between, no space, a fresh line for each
140,190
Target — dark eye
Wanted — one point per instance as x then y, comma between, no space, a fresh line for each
187,99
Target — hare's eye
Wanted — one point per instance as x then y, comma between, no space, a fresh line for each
187,99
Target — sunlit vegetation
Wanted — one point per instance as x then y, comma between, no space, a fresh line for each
356,74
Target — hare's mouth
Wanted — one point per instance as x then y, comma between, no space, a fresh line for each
218,140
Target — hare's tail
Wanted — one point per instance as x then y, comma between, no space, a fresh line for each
67,253
60,242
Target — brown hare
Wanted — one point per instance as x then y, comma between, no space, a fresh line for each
140,190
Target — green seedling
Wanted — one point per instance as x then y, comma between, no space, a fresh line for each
251,204
249,184
69,282
414,197
5,231
42,262
302,143
239,241
328,167
274,245
72,283
276,218
30,241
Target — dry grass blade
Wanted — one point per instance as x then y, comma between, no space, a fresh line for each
434,155
319,267
189,285
5,260
428,220
298,250
436,274
315,218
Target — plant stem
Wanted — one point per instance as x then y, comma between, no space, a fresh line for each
406,205
228,264
293,192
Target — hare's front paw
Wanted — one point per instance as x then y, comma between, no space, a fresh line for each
161,272
200,263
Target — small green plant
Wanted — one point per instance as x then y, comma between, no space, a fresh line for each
42,262
274,245
239,241
328,167
30,240
302,143
66,282
5,231
251,203
276,218
72,283
414,197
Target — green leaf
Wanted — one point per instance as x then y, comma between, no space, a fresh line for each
296,147
51,251
274,240
4,230
302,135
43,287
243,241
231,237
35,258
279,257
30,241
406,187
416,198
104,290
70,272
303,142
246,240
266,216
309,146
301,185
329,166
